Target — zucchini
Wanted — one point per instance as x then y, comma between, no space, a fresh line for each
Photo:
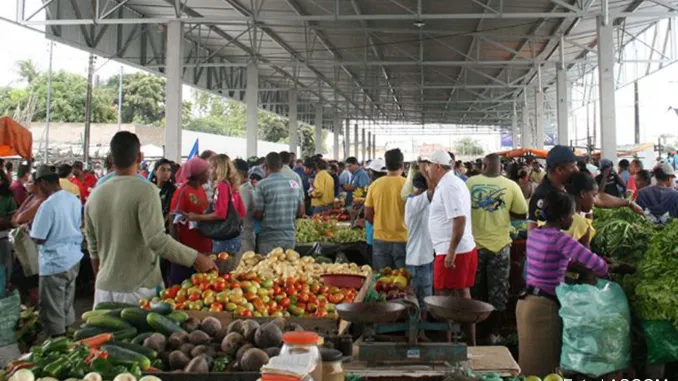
89,314
108,322
178,316
85,333
124,334
140,349
162,324
161,308
136,317
139,340
122,356
112,305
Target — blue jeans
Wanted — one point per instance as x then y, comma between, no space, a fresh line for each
231,246
388,254
422,282
321,209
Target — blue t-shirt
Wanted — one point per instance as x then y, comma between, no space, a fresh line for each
110,175
58,222
659,201
359,179
369,233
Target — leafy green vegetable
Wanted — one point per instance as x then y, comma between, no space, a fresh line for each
622,235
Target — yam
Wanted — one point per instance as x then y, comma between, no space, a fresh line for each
197,365
164,357
249,328
232,342
280,322
253,360
209,359
219,337
191,324
241,351
156,342
272,352
198,350
176,339
211,326
268,335
199,337
178,360
235,326
293,327
187,348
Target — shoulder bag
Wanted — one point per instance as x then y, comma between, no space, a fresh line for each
221,230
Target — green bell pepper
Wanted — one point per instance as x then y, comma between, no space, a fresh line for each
60,344
57,369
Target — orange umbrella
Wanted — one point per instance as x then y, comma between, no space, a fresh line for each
15,140
518,152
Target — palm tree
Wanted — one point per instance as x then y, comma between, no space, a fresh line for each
28,70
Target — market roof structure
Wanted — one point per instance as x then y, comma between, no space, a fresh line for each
464,62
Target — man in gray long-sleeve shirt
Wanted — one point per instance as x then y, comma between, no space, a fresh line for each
125,231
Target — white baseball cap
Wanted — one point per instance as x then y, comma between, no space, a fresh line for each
377,165
438,157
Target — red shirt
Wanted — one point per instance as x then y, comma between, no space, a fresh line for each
85,186
191,200
221,203
19,191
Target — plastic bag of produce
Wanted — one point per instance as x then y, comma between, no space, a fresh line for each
596,328
662,341
10,309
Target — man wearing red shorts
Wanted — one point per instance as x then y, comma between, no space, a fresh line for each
454,269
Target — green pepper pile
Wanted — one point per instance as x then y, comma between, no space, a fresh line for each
60,358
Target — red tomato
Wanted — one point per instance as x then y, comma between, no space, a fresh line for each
276,289
180,298
246,313
320,312
235,285
204,286
285,302
324,289
304,297
336,298
194,296
227,277
315,288
219,285
291,291
216,307
301,305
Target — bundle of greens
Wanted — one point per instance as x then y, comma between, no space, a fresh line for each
657,286
622,235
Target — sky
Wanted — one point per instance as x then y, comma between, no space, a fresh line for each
658,92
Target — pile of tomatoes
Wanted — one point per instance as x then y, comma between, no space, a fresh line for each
249,295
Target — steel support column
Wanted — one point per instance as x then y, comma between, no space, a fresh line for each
538,139
337,131
251,101
374,146
363,146
563,107
514,128
174,58
606,89
318,128
369,145
292,123
356,139
525,131
347,140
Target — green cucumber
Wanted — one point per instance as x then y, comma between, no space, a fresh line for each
89,314
162,324
122,356
161,308
178,316
123,334
140,349
108,322
139,340
115,313
136,317
112,306
85,333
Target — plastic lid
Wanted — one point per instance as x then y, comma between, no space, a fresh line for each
300,337
330,355
277,377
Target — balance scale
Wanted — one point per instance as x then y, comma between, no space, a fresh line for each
382,318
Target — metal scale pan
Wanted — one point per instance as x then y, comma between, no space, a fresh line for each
458,310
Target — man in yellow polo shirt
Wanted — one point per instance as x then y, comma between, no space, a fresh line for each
64,172
385,210
322,193
494,198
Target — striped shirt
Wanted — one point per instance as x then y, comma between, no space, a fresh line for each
549,252
278,198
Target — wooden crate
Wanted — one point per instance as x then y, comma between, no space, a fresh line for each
323,326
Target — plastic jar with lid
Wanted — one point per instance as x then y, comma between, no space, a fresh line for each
332,369
302,342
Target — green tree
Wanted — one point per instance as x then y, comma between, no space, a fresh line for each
468,147
11,98
143,97
28,70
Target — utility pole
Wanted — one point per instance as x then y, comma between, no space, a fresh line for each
49,102
120,101
659,148
88,109
636,109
